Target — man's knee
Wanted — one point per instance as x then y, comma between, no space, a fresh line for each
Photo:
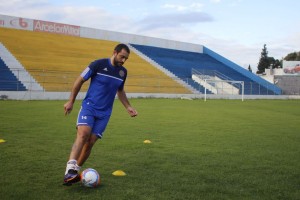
84,132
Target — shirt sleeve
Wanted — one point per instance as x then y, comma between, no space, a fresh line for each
89,71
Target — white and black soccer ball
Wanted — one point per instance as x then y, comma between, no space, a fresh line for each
90,178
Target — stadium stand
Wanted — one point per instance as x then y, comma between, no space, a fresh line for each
181,64
56,60
8,81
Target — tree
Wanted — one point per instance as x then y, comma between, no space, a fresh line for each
295,56
277,64
264,61
249,68
274,63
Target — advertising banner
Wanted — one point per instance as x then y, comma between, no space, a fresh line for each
291,67
16,22
57,28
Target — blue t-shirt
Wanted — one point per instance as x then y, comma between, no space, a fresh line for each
106,80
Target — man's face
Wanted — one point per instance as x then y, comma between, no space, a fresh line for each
120,58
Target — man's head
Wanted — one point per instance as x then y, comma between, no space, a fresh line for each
120,55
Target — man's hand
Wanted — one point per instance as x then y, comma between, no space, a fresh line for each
68,107
131,111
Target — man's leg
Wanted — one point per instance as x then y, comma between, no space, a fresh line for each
99,126
86,150
83,135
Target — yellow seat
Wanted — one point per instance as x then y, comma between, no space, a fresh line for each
56,60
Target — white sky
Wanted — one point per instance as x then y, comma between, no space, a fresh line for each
236,29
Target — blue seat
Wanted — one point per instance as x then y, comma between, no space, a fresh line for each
181,64
8,81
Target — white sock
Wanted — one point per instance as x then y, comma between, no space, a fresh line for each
71,164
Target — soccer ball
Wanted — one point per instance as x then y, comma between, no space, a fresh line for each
90,178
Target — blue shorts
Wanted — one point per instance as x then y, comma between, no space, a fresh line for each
97,121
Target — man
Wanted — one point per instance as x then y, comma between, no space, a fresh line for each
107,79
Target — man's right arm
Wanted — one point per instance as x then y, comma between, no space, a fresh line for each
75,90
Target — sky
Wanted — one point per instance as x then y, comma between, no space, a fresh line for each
235,29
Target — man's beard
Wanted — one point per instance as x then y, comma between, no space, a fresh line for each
116,63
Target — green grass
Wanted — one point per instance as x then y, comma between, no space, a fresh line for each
219,149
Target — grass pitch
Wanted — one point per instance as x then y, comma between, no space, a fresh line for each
219,149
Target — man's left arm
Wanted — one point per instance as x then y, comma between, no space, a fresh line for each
123,98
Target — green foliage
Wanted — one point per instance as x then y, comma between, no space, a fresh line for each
264,62
249,68
295,56
218,149
274,63
277,63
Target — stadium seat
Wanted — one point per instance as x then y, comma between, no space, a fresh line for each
181,64
8,81
56,60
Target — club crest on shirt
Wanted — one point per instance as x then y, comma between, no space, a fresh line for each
121,73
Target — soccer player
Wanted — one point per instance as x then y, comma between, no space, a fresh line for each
107,79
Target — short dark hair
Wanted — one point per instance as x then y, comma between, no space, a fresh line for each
121,46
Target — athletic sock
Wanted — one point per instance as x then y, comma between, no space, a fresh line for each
71,164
